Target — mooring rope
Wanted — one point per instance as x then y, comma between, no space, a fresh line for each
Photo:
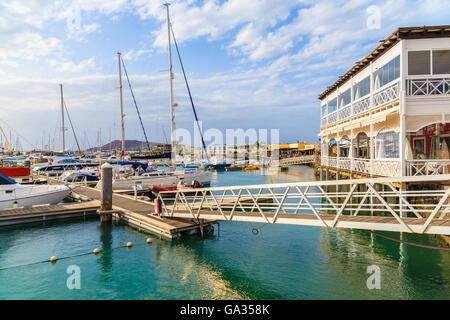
72,256
409,243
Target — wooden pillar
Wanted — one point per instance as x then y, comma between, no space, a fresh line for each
105,211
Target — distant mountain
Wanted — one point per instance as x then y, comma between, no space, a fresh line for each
130,145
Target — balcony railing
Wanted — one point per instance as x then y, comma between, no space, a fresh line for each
426,87
377,167
332,117
386,95
388,167
345,112
361,105
428,167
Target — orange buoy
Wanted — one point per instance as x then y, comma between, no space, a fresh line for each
95,251
53,259
149,240
129,245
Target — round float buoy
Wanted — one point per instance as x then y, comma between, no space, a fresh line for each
149,240
95,251
53,259
255,231
129,245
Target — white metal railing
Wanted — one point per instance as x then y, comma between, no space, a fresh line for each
324,122
332,162
386,95
386,167
428,167
361,105
379,167
345,164
345,112
336,203
434,86
332,117
362,166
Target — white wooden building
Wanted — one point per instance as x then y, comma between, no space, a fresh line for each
389,115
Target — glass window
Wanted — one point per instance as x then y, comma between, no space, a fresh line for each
362,88
344,98
324,110
332,105
418,62
387,145
387,73
441,61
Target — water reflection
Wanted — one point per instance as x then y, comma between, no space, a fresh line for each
407,272
105,261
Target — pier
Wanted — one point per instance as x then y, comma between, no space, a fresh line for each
47,212
140,214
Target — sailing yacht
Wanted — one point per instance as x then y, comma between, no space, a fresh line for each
160,178
14,195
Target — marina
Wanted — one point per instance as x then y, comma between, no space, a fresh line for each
261,190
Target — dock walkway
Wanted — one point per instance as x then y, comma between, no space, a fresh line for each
48,212
139,213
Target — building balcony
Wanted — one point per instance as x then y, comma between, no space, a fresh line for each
428,86
387,167
363,105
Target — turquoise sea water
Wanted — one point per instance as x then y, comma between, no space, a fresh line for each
281,262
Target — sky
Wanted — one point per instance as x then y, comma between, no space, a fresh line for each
256,64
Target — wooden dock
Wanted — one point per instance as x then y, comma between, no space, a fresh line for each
140,213
48,212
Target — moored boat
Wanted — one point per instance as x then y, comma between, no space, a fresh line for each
14,195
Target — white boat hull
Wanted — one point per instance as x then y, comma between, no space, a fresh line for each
161,181
28,196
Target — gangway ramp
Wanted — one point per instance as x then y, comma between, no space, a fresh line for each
371,204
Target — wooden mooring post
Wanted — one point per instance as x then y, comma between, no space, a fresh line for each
106,209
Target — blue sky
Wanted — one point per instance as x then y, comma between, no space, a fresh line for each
251,64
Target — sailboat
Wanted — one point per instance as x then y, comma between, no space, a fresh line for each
161,178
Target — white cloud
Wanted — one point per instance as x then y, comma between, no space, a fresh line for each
29,46
134,54
72,67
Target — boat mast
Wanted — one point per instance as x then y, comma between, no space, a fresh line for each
62,119
172,115
122,153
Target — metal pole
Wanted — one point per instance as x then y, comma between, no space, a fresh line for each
62,119
172,115
122,153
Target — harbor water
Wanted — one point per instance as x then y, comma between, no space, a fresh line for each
280,262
